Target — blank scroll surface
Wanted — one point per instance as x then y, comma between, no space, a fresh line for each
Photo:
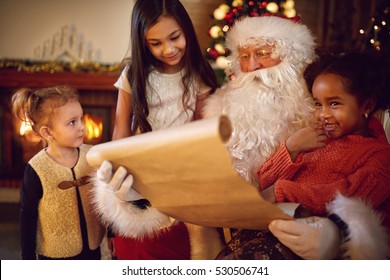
186,173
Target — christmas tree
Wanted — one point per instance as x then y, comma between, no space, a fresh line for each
377,35
225,16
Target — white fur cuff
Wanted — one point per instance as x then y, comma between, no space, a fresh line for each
368,239
125,218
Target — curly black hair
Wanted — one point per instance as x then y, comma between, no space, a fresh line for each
365,75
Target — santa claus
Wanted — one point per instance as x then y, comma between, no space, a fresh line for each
266,101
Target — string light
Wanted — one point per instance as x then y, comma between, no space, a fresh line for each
377,33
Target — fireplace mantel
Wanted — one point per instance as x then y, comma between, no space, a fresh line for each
11,78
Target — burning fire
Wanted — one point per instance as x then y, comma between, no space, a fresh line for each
27,132
93,127
25,127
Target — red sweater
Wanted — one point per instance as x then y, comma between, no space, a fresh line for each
353,165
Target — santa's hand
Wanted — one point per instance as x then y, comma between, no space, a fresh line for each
111,196
309,238
121,182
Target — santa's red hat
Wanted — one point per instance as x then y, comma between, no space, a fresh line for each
292,40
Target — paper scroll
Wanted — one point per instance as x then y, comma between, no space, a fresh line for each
186,173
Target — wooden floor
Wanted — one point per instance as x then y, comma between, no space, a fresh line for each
9,231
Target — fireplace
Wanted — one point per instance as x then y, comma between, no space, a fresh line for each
97,97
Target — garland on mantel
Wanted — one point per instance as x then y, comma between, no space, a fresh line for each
60,66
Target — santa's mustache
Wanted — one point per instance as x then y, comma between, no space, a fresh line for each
273,77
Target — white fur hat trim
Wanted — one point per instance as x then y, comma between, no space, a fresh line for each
292,40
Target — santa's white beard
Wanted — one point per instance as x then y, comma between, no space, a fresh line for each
264,106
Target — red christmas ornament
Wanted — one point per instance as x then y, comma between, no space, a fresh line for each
213,53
